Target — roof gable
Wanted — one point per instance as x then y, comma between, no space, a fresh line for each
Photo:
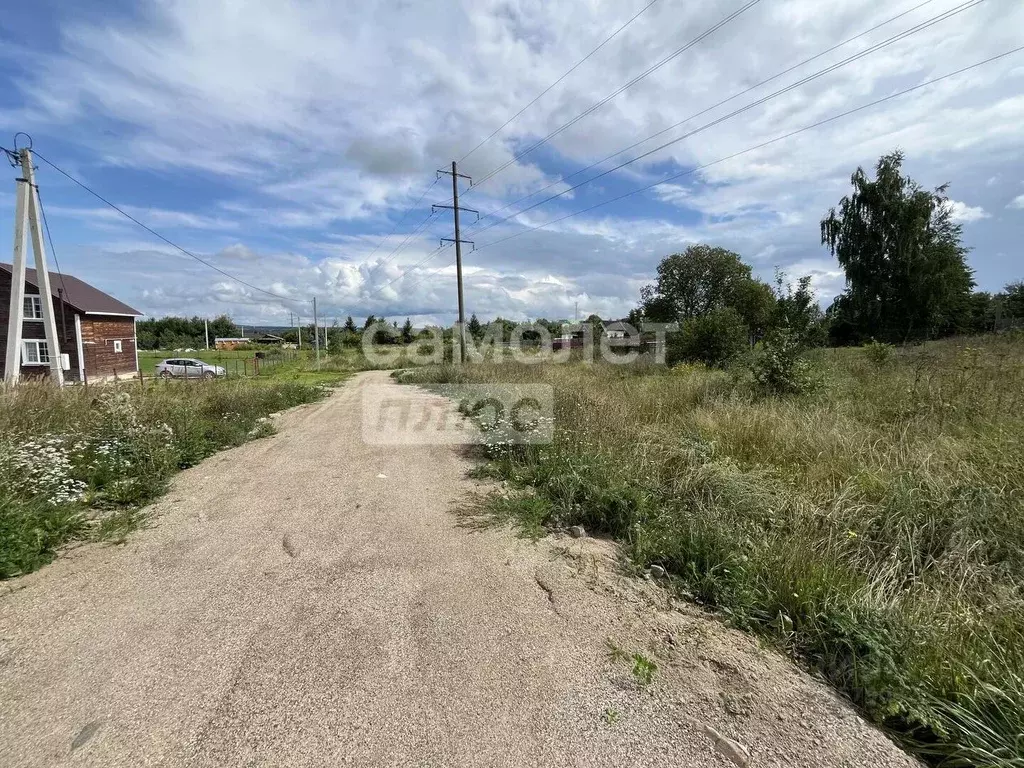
78,294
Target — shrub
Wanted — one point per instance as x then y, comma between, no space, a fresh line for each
878,352
779,367
711,339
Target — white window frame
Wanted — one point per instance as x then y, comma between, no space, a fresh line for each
118,346
36,302
36,343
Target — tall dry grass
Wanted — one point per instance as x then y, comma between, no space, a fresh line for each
874,529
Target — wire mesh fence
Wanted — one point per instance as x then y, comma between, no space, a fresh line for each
215,365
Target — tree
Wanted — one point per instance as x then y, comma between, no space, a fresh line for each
370,320
905,267
407,334
756,304
474,327
1013,299
712,338
693,283
797,312
350,325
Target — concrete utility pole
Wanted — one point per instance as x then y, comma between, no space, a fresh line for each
27,217
454,172
206,331
316,335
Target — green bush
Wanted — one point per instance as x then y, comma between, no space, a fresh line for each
878,352
712,339
779,367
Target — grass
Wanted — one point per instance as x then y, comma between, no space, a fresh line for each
78,463
873,529
148,358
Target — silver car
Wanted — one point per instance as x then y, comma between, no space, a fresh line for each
187,368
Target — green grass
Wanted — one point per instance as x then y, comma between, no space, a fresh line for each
873,529
148,358
78,463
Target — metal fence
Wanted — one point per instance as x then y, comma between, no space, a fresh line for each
217,364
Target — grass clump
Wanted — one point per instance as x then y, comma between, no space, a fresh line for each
871,525
78,463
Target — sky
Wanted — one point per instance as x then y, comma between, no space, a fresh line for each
294,144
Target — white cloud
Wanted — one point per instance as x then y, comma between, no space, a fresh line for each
965,214
308,128
1017,202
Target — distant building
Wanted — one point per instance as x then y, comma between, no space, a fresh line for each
269,338
617,330
230,343
95,330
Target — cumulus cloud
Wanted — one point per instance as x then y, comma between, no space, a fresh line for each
1017,202
965,214
287,140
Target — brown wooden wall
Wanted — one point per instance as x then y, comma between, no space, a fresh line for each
98,335
33,329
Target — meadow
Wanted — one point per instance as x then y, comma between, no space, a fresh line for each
873,528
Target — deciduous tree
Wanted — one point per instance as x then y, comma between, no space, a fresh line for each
905,267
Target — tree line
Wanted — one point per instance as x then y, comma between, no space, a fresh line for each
183,332
907,279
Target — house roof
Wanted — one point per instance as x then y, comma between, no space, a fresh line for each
78,294
618,325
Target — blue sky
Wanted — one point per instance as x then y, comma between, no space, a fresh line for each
283,140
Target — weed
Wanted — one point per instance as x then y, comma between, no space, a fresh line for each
615,652
644,670
610,715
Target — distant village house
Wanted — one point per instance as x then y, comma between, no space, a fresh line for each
95,330
225,342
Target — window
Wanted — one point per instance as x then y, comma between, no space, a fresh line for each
117,345
33,307
36,352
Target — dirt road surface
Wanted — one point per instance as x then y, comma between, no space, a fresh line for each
309,599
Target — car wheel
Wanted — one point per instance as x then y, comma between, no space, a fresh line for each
209,375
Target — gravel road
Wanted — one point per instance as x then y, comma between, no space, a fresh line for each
311,599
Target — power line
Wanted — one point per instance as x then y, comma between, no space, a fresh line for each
156,234
568,72
430,256
401,245
702,112
814,76
761,145
400,222
650,70
431,273
53,251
